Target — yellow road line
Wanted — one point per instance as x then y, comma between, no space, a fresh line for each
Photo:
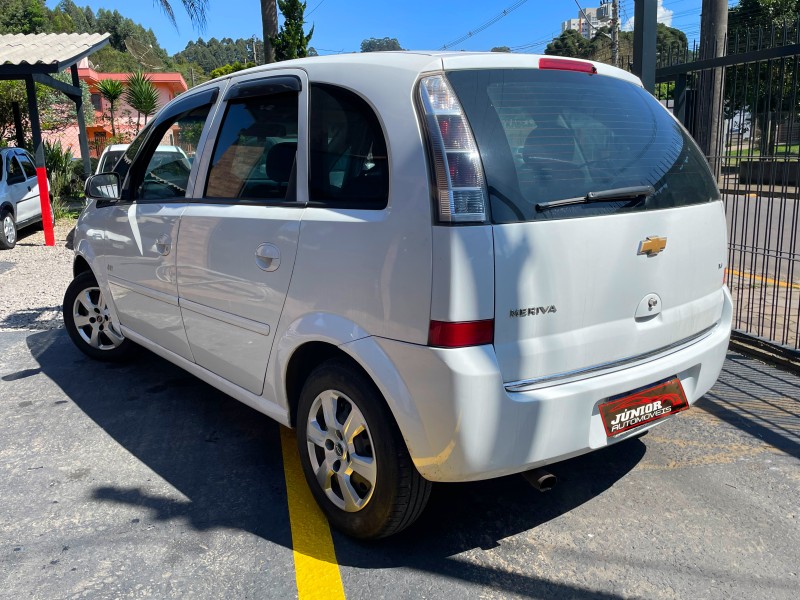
768,280
316,569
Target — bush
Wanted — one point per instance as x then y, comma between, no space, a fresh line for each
61,169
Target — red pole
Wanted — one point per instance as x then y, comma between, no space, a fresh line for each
41,173
44,200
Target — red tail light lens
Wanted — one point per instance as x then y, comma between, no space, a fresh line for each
562,64
459,335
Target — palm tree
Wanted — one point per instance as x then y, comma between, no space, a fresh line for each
142,96
111,90
196,9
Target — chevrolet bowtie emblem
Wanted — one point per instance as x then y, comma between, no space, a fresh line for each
652,245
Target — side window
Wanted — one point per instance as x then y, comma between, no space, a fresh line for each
254,157
27,165
14,172
348,165
169,162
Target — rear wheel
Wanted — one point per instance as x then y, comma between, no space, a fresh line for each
8,230
353,456
88,321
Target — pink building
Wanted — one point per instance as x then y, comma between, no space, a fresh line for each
168,86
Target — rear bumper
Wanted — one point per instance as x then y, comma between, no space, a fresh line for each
461,424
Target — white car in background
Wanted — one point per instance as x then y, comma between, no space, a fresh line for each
20,205
113,152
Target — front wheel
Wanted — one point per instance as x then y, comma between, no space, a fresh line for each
88,321
354,459
8,230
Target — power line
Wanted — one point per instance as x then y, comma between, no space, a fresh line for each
485,25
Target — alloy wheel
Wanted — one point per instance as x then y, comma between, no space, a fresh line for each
93,320
9,230
340,449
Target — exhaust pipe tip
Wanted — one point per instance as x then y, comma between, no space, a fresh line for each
541,479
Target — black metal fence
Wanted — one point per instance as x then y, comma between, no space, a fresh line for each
750,130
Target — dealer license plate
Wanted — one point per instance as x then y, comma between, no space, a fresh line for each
642,407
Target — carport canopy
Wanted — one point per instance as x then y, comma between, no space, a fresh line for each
34,58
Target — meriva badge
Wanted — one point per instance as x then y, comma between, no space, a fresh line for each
531,311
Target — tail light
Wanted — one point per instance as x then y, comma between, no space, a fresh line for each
458,335
460,184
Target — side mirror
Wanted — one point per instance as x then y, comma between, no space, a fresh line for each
104,186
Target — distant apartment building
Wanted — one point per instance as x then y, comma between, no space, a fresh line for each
589,20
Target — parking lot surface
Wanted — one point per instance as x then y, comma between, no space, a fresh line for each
137,480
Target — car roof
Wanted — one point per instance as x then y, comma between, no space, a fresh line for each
420,62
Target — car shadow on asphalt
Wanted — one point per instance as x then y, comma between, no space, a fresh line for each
759,399
225,458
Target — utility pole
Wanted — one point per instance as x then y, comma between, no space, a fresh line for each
645,18
615,33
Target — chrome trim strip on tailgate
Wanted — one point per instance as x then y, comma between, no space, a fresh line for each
525,385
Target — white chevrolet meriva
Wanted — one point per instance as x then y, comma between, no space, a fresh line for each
436,267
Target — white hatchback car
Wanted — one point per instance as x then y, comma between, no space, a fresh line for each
113,152
437,267
20,204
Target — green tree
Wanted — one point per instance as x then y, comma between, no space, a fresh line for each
111,90
232,68
291,41
569,43
380,45
141,95
215,53
501,49
752,14
77,15
23,16
766,98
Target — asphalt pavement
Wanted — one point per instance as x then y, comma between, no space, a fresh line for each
138,480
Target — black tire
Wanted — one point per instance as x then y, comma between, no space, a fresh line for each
88,321
399,493
8,230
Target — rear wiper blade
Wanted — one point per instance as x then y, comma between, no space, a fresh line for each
613,195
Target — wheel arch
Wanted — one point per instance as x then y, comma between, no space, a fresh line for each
9,206
80,265
366,355
302,363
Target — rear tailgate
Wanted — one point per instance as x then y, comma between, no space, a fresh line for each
586,272
567,292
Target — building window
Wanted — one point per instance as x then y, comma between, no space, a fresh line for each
97,102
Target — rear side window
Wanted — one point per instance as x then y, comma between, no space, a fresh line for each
548,135
14,172
348,165
254,158
27,165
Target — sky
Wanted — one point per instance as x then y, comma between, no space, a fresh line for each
341,25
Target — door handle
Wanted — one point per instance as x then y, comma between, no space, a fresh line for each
163,244
268,257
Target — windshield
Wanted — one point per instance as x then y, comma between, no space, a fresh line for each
547,135
110,158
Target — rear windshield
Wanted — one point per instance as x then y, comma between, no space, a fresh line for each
549,135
